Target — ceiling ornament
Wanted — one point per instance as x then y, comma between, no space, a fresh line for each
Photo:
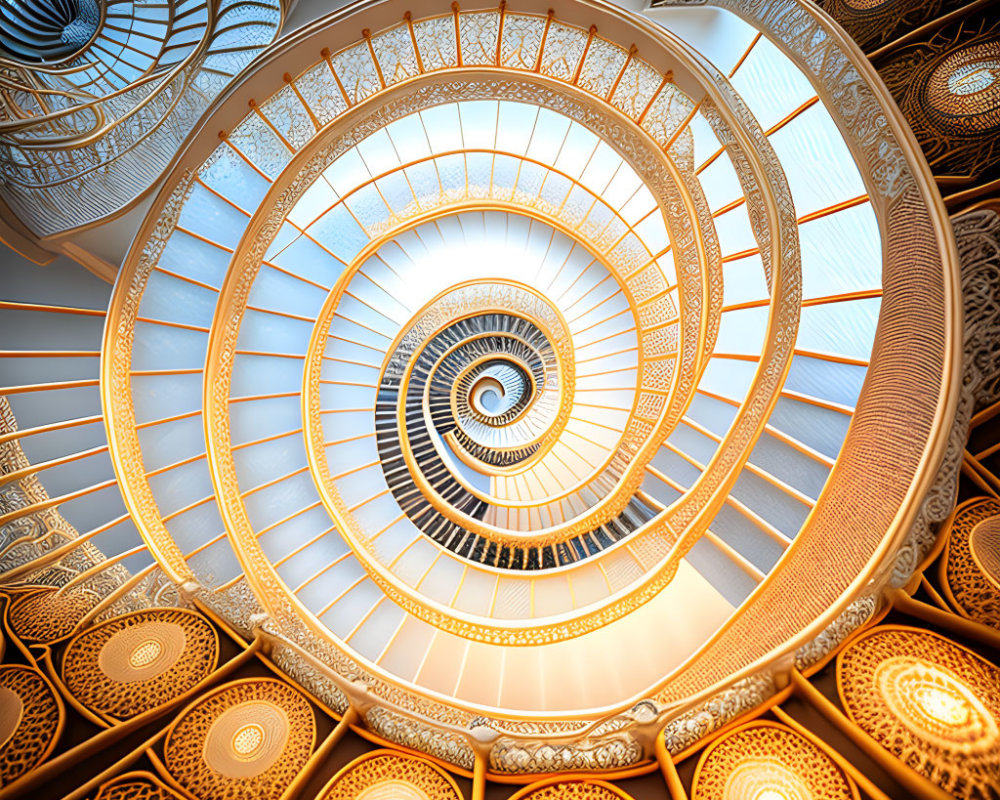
930,702
139,661
246,739
768,760
44,615
449,400
969,574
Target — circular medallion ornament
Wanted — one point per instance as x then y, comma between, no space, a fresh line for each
139,661
947,83
765,760
238,748
49,614
932,703
964,89
970,574
247,739
935,705
388,775
984,546
866,5
31,717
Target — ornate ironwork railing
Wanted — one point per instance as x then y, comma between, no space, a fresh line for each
95,99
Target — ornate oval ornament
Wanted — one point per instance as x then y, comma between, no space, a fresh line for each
385,774
245,739
138,661
968,573
765,759
927,700
33,718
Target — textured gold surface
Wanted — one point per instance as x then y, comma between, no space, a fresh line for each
974,590
767,757
984,545
386,775
210,753
48,614
36,728
577,789
139,661
136,786
930,702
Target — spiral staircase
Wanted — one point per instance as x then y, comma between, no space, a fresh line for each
530,385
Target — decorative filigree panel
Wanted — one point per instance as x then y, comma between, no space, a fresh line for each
765,759
930,702
615,751
685,730
30,536
139,661
977,234
417,734
246,739
48,614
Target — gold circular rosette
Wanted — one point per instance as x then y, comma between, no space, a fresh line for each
768,760
970,570
930,702
385,774
484,346
126,666
245,739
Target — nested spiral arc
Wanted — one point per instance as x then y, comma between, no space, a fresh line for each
453,360
43,31
434,397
